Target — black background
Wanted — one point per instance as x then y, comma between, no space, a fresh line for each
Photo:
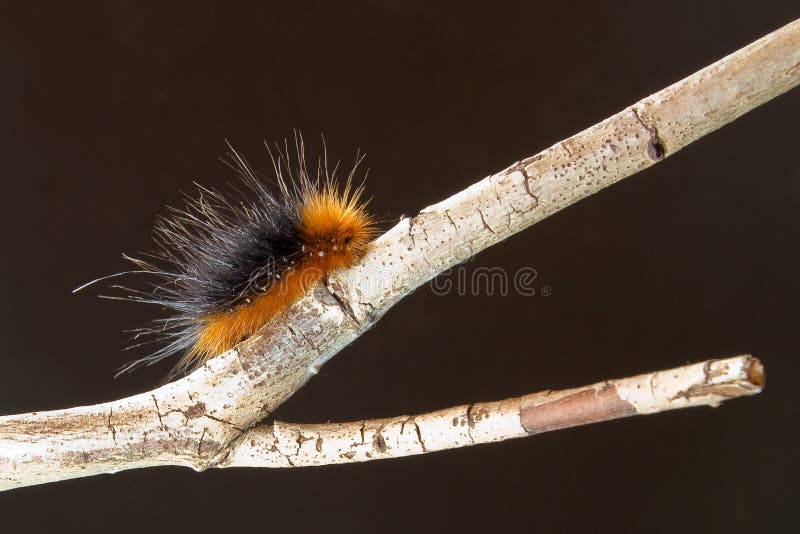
108,111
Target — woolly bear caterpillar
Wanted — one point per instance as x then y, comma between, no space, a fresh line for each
226,265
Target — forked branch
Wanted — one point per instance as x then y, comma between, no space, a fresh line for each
197,421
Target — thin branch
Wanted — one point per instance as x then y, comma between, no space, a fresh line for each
292,445
193,421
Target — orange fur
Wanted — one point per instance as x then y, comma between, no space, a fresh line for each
335,230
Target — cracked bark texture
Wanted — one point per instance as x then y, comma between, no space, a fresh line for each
193,421
295,445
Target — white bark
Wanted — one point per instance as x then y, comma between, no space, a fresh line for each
292,445
193,421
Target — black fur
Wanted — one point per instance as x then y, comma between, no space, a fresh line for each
216,252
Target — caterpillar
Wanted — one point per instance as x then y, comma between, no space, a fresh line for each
227,263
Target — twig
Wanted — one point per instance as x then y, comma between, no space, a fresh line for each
292,445
193,421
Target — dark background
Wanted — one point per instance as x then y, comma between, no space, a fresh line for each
109,110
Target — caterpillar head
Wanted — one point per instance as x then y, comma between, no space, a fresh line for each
334,226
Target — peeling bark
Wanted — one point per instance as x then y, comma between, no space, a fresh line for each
195,421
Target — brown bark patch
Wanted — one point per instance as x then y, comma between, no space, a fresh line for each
195,410
582,408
